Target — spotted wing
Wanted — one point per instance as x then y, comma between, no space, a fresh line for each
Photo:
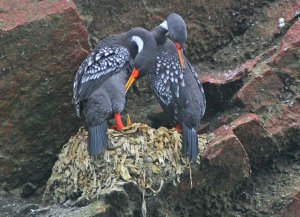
101,63
168,81
199,84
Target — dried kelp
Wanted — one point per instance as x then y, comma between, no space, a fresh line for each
140,154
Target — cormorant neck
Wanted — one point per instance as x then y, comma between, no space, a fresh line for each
145,45
139,40
159,33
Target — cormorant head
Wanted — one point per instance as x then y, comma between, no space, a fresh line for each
177,28
145,60
177,32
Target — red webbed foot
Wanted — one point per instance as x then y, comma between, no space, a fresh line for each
178,127
119,125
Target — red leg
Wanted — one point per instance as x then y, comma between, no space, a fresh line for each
178,127
118,121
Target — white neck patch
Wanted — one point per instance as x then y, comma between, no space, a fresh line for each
139,42
164,25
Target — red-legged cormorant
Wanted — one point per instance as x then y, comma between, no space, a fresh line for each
175,82
99,85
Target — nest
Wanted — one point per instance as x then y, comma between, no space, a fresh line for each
138,154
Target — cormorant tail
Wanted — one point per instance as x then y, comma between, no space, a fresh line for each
97,139
190,142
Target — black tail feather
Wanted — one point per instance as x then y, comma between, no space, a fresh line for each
185,136
97,139
190,142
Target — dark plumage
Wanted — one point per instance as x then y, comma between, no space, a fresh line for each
176,83
99,85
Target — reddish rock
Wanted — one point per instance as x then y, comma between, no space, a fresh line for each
291,10
288,54
230,75
219,88
225,151
254,138
246,139
262,90
284,123
226,165
281,9
18,12
42,44
293,208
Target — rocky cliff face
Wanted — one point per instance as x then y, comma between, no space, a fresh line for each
211,25
249,67
42,44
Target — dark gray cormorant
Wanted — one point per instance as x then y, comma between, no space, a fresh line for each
175,82
100,83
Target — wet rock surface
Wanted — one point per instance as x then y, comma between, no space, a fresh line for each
256,140
262,91
220,87
293,207
210,25
288,54
42,44
270,190
226,151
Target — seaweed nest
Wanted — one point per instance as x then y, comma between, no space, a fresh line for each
138,154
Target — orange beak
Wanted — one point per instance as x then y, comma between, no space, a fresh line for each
179,51
132,78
